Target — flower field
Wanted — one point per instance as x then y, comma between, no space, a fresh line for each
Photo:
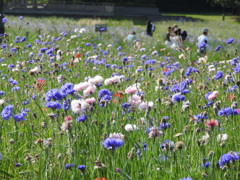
80,104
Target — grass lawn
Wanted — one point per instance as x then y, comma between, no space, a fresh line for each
208,17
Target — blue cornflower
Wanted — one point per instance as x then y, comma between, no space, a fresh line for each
66,104
151,61
104,92
113,143
202,45
107,65
99,84
236,111
106,98
179,87
126,105
53,105
105,52
167,144
20,17
229,41
185,91
233,88
163,157
225,112
115,74
189,70
125,59
82,118
25,110
164,125
237,69
228,158
16,88
20,116
145,147
139,70
2,93
64,34
119,48
7,112
186,178
219,75
10,66
34,96
207,164
3,46
178,97
151,68
4,20
25,102
113,66
68,166
234,61
53,94
82,167
210,103
17,165
23,39
206,95
43,49
58,38
218,48
143,57
28,45
200,116
66,89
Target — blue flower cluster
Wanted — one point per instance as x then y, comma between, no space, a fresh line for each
7,113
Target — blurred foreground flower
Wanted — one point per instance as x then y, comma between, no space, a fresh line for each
229,41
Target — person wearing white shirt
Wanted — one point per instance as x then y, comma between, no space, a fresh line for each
131,37
202,42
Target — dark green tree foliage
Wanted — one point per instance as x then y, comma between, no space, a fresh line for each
233,4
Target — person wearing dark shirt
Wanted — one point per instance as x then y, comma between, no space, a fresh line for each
149,30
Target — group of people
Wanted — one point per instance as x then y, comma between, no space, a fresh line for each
175,37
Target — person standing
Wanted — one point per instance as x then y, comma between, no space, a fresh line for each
149,28
202,42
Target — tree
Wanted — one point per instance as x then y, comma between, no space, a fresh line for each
235,4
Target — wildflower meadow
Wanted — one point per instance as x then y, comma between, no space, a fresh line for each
79,104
